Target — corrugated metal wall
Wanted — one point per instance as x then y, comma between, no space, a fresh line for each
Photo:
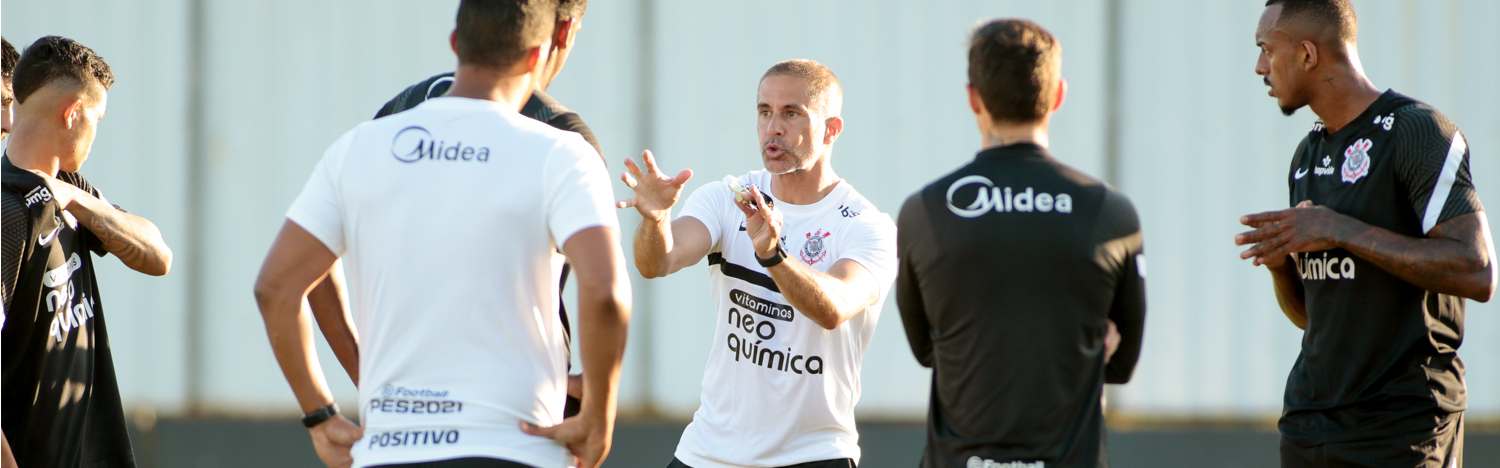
1197,144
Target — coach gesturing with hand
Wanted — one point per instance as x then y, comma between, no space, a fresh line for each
801,263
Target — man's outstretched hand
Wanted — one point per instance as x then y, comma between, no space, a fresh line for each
1278,234
655,193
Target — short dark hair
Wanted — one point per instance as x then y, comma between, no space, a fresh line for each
1332,19
1015,65
822,86
568,9
54,58
8,58
497,33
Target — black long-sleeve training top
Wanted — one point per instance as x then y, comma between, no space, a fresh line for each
1009,268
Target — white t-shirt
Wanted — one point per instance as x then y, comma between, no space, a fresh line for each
779,388
448,217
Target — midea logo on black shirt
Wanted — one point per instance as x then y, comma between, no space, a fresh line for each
415,143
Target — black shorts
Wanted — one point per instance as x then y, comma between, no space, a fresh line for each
1443,447
834,463
471,462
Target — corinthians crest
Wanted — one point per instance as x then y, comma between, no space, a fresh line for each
1356,160
813,250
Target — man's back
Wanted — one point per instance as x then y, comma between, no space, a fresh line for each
448,216
1010,267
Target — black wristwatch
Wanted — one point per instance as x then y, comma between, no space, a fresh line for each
318,416
774,260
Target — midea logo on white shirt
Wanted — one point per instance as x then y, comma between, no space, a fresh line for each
991,197
415,143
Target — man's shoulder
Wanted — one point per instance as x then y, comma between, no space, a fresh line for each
413,95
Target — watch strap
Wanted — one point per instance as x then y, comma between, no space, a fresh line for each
320,415
774,260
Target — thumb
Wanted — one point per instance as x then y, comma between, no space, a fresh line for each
1305,204
549,432
682,177
626,203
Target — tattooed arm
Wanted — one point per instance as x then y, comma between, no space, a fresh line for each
1456,258
135,240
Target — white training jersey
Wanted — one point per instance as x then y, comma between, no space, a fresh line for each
779,388
448,218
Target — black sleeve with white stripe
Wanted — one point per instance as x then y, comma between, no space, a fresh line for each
1432,163
17,227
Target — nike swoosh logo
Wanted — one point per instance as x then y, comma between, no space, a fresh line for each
43,240
1299,174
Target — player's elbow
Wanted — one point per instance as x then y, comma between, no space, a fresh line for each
269,290
161,264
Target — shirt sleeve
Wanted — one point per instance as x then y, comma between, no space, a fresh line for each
873,244
1432,162
578,192
707,204
319,208
1121,248
17,227
914,232
91,241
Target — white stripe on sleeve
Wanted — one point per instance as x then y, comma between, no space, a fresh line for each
1444,183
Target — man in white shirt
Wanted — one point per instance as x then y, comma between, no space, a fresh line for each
801,263
449,218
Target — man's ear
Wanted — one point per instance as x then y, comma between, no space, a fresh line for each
566,30
72,111
536,57
453,41
975,104
1309,59
835,126
1062,94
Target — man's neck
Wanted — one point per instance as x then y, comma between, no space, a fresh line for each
805,187
1342,96
29,153
997,135
505,87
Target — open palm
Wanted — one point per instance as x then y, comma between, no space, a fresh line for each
655,193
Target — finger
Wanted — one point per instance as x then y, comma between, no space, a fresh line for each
1263,249
549,432
651,164
760,203
629,180
626,203
682,177
1265,217
1255,236
1305,204
745,208
635,169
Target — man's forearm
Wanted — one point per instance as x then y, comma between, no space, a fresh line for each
290,332
327,302
1288,285
133,239
1442,265
827,300
604,321
653,246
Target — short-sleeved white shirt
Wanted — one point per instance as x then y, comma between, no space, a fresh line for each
449,218
779,388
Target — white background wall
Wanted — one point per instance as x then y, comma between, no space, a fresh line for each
1200,144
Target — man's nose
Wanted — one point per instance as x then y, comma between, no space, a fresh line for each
773,126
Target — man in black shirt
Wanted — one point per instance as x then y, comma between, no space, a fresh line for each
62,406
1386,239
1013,271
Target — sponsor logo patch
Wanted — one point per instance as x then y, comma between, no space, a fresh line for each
416,143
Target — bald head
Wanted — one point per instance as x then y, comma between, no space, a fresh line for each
825,95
